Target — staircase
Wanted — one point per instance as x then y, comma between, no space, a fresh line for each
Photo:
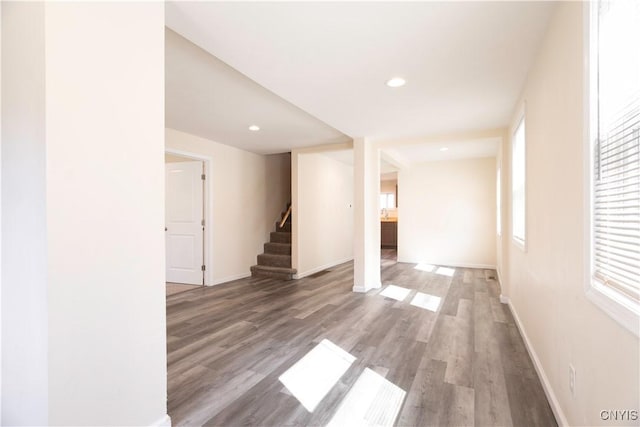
275,262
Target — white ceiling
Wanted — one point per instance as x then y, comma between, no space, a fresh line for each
417,153
464,62
205,97
343,156
389,176
387,168
455,150
346,157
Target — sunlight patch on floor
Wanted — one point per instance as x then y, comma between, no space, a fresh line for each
430,268
426,301
425,267
372,401
311,377
445,271
395,292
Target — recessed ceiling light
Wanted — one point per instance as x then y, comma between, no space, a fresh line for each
396,82
444,149
254,128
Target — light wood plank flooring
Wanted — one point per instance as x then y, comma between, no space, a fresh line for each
174,288
465,364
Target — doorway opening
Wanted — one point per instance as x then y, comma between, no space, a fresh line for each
388,205
187,221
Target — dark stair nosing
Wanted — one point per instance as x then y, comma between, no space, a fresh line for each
280,237
275,260
277,248
273,272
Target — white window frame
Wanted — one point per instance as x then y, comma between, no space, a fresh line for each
517,240
387,195
499,201
623,310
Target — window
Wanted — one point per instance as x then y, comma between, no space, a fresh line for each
498,203
614,154
387,201
518,163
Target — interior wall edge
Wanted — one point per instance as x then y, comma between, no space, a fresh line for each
321,268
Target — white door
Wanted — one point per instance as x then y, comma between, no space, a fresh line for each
183,218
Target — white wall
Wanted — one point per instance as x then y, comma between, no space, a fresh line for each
172,158
0,212
84,340
388,186
448,213
105,213
278,186
24,266
366,208
323,212
502,240
247,191
546,283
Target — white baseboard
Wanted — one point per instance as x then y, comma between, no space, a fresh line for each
162,422
365,289
230,279
483,266
546,385
503,298
321,268
453,264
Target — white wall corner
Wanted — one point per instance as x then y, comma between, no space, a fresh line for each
294,210
162,422
320,241
25,327
366,174
321,268
227,279
0,212
364,289
504,298
561,419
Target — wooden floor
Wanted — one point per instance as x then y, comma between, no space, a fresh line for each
465,364
174,288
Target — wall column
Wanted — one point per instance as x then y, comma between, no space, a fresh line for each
366,221
24,264
83,281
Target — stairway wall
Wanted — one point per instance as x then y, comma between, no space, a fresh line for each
278,194
323,213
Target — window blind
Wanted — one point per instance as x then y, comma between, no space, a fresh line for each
617,204
616,189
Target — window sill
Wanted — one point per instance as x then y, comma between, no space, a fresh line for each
519,243
619,308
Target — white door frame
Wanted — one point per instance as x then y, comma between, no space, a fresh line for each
208,209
